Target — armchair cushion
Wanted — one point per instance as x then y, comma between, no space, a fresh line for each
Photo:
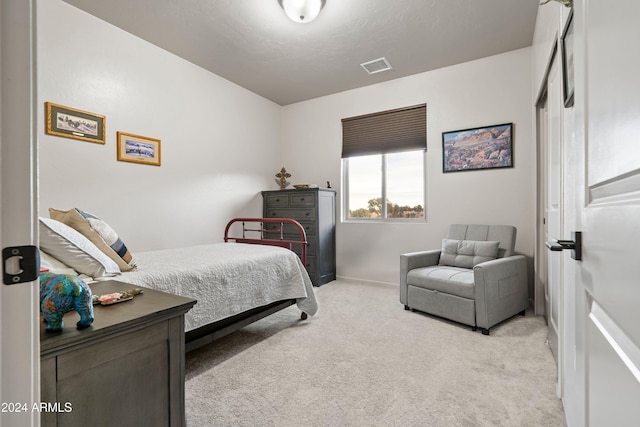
452,280
467,253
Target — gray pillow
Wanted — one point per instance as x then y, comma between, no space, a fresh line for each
467,253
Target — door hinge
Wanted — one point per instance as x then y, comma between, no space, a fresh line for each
20,264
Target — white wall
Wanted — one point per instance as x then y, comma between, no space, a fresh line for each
489,91
220,142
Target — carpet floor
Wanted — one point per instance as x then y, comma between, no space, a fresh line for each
365,361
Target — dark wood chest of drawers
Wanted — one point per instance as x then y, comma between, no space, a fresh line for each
126,369
315,210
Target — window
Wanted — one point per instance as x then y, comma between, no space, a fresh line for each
396,177
384,159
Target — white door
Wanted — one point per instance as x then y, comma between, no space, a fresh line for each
607,119
19,312
541,295
554,210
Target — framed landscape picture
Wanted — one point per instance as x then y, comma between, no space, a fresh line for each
478,148
138,149
73,123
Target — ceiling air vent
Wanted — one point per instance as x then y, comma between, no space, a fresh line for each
376,66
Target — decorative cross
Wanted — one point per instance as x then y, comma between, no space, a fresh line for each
283,175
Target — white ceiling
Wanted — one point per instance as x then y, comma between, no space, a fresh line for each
253,44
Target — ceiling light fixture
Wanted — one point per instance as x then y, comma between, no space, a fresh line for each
302,11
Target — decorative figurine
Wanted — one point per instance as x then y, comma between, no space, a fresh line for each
60,293
283,175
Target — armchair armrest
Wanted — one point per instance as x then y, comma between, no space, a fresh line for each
412,260
501,289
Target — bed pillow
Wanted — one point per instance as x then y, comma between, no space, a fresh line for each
467,253
74,250
53,265
99,233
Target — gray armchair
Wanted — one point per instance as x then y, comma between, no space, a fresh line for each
474,279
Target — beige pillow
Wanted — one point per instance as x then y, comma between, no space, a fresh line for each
99,233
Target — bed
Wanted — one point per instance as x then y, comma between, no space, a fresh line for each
253,274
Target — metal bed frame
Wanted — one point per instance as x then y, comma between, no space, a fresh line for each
272,232
266,233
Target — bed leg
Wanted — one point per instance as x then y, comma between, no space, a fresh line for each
303,316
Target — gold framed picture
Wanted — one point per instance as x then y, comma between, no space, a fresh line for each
138,149
72,123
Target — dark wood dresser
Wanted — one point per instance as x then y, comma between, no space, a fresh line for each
315,210
126,369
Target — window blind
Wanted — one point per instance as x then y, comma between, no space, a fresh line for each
390,131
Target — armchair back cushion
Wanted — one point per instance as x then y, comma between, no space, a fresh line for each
505,234
467,253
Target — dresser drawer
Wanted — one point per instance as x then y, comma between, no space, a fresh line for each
91,357
311,266
297,214
302,199
289,230
277,200
309,228
311,247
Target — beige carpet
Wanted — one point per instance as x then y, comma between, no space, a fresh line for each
365,361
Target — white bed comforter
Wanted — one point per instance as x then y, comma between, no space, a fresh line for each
225,278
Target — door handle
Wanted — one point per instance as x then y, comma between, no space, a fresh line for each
559,245
574,245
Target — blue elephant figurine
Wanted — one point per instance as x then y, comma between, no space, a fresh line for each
60,293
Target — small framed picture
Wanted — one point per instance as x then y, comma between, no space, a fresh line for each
568,80
72,123
486,147
138,149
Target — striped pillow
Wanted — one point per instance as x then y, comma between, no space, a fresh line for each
99,233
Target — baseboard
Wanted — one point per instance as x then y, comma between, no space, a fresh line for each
366,282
